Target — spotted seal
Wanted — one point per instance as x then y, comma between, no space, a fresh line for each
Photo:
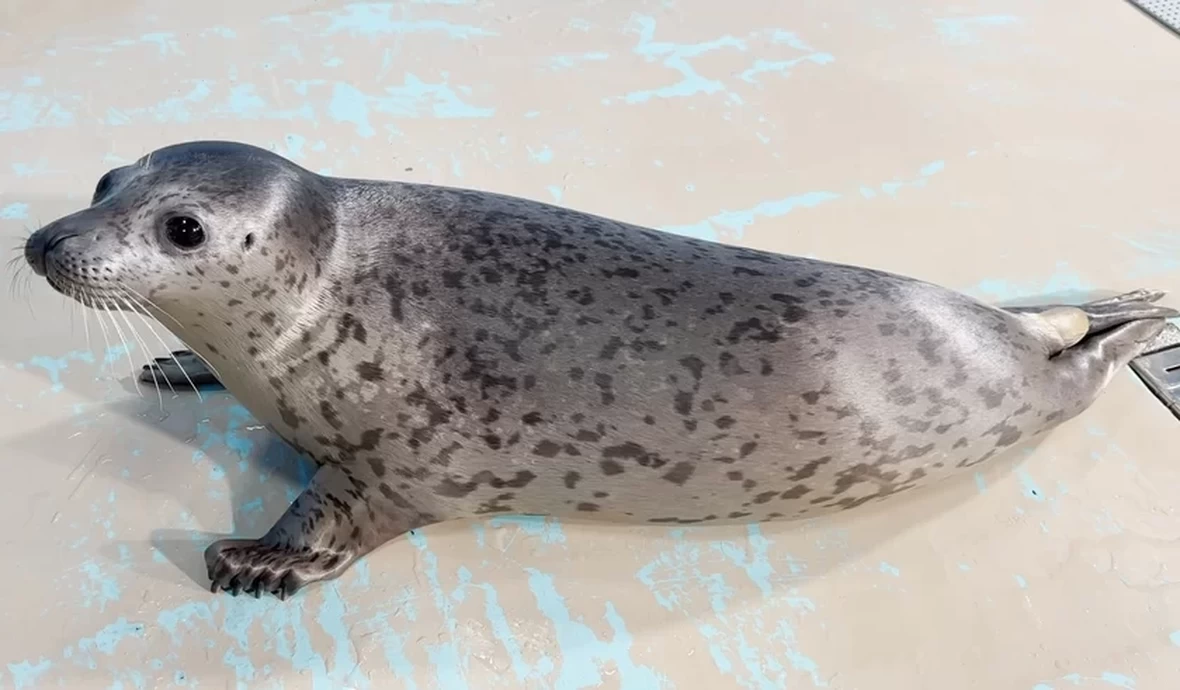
445,353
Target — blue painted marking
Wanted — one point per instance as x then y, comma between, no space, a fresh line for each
748,643
56,366
15,211
738,221
413,99
892,188
349,105
1158,254
101,588
582,651
1031,489
547,529
1062,280
1119,680
889,569
25,673
1020,581
962,30
502,630
783,68
450,666
374,20
561,62
20,112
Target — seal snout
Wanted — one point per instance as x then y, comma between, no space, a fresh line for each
42,242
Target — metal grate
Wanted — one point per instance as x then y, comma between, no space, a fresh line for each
1159,368
1166,12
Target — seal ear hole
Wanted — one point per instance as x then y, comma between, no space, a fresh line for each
249,241
100,190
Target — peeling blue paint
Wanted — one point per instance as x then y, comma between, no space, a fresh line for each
561,62
374,20
677,57
54,367
25,673
21,112
1062,280
783,68
737,221
964,30
582,651
749,644
1031,489
15,211
1118,680
1158,253
543,155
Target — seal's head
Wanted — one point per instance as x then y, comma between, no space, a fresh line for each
188,227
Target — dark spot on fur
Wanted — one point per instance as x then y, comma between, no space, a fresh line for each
796,491
680,473
547,449
370,371
610,467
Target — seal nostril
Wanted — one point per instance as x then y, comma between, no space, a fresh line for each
249,241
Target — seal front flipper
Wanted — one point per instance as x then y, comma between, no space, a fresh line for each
182,369
335,521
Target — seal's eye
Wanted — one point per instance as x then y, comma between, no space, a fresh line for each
184,231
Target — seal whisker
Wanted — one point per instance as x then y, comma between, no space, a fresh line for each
103,327
139,339
126,348
80,301
170,354
146,301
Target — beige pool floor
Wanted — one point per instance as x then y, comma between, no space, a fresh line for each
1007,148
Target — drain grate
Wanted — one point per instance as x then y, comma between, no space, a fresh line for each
1166,12
1159,367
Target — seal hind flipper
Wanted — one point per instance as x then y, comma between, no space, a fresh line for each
1072,324
182,369
1090,365
1133,306
328,527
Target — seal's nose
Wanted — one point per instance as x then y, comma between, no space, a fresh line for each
40,243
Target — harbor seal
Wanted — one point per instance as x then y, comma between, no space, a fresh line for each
445,353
